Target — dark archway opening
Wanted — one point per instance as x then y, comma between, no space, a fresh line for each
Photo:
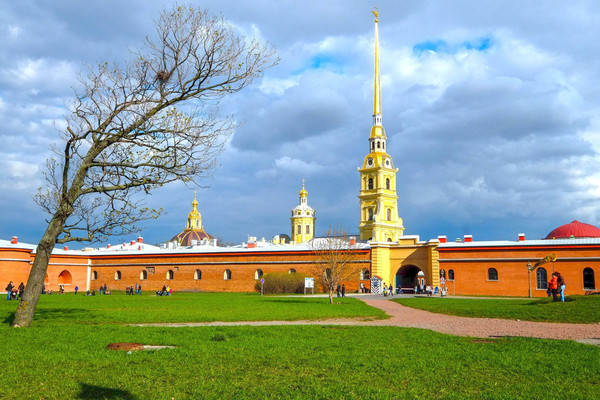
406,277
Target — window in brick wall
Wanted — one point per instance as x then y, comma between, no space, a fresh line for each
492,274
258,274
227,275
143,275
198,275
541,278
117,275
589,281
170,275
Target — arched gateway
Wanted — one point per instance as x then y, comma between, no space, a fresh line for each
407,276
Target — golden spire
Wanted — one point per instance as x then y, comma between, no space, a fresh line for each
303,192
377,92
194,217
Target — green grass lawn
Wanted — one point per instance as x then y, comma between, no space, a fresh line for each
577,309
59,358
289,362
188,307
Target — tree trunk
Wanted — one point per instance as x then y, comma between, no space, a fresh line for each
37,275
330,295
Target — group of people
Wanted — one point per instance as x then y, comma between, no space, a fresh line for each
388,290
557,286
104,290
165,291
341,291
14,293
133,290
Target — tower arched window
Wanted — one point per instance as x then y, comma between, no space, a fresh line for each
492,274
589,280
387,183
541,279
378,145
308,229
143,275
227,275
370,185
389,214
299,229
198,275
370,214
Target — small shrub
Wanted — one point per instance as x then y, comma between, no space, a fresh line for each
219,337
282,282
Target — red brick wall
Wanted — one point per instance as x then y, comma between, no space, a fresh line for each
471,277
242,266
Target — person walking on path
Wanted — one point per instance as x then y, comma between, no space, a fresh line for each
9,289
337,290
560,281
21,289
76,288
343,290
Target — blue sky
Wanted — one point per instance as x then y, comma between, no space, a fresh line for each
492,113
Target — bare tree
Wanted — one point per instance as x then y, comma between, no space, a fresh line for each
335,259
135,128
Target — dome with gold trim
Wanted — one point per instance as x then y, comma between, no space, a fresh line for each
194,231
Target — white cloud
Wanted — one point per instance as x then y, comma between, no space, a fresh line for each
14,31
296,165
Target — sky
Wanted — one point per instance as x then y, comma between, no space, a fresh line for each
491,110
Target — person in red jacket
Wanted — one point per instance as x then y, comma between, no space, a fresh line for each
553,286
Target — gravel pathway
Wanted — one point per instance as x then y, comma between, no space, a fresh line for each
402,316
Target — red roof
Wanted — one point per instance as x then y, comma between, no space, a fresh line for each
185,238
574,229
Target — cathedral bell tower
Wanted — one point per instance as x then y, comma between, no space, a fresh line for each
303,219
379,220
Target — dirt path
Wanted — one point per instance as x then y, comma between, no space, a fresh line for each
402,316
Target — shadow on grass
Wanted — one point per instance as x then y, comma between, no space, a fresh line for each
63,313
9,318
99,392
288,300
